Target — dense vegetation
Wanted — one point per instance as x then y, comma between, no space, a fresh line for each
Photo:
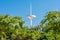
11,28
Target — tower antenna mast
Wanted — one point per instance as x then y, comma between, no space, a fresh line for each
30,17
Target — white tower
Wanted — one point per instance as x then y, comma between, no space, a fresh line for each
30,17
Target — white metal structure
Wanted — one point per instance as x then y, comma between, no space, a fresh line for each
30,17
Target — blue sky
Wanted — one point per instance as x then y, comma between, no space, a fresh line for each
22,8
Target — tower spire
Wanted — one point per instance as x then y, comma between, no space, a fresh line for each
30,9
30,17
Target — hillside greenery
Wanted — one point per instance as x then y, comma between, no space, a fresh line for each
12,28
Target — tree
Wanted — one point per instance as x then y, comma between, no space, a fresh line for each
11,28
51,23
8,24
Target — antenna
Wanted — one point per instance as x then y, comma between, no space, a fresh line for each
30,9
30,17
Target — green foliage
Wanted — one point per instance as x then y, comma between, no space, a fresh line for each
51,24
11,28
